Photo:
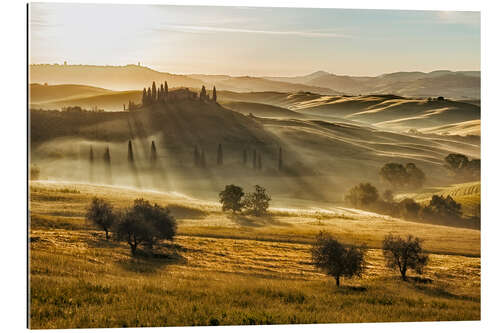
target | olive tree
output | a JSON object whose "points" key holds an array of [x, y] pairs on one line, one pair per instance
{"points": [[145, 224], [100, 212], [403, 254], [257, 203], [337, 260], [362, 195], [230, 198]]}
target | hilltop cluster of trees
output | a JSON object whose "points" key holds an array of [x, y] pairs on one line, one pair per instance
{"points": [[439, 209], [339, 260], [142, 224], [152, 95], [234, 199]]}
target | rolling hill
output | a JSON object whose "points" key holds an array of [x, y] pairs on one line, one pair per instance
{"points": [[40, 94], [263, 110], [472, 127], [108, 101], [385, 111], [454, 85], [318, 154], [132, 77], [110, 77], [390, 111]]}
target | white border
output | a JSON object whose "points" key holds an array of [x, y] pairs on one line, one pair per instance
{"points": [[13, 131]]}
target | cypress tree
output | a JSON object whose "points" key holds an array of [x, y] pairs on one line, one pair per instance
{"points": [[107, 164], [220, 160], [280, 160], [259, 162], [107, 156], [214, 95], [91, 155], [153, 92], [144, 97], [203, 93], [91, 162], [203, 162], [154, 156], [149, 96], [254, 162], [244, 157], [196, 156], [165, 86], [162, 92], [130, 152]]}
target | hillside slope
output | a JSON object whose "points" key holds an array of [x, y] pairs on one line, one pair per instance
{"points": [[472, 127], [391, 111], [39, 93], [263, 110]]}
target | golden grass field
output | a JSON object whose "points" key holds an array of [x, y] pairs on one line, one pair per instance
{"points": [[227, 270]]}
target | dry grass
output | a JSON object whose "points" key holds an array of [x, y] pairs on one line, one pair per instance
{"points": [[226, 270]]}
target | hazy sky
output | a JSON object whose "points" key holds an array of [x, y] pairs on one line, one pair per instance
{"points": [[255, 41]]}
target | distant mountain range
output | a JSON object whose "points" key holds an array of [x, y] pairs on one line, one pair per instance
{"points": [[453, 85]]}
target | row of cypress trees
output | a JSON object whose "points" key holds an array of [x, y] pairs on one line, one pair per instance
{"points": [[130, 154], [200, 160], [199, 157]]}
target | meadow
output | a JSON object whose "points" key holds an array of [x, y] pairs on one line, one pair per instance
{"points": [[229, 270]]}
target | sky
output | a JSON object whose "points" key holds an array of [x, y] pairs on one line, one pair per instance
{"points": [[254, 41]]}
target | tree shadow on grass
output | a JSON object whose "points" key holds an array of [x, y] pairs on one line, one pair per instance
{"points": [[100, 241], [256, 221], [152, 261], [348, 290], [438, 291]]}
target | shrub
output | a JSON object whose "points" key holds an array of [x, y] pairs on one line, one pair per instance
{"points": [[441, 207], [145, 224], [335, 259], [388, 196], [404, 254], [460, 166], [397, 175], [408, 208], [230, 198], [257, 203], [415, 177], [100, 212], [362, 195]]}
